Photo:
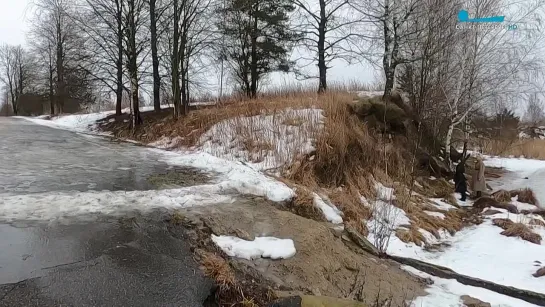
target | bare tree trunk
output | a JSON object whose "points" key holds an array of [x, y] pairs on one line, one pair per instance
{"points": [[133, 66], [51, 71], [175, 62], [60, 68], [155, 57], [322, 67], [253, 72], [119, 63]]}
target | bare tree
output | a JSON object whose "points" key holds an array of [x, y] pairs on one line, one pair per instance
{"points": [[155, 12], [326, 31], [15, 63], [103, 23], [191, 33], [487, 64], [393, 26], [134, 21], [534, 115]]}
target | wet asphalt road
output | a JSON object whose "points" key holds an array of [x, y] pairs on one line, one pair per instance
{"points": [[106, 262]]}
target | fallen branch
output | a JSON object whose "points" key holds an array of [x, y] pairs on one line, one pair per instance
{"points": [[443, 272]]}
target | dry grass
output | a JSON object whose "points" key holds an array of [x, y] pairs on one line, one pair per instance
{"points": [[411, 235], [192, 126], [452, 222], [485, 202], [229, 291], [525, 196], [295, 121], [355, 213], [303, 205], [439, 188], [502, 196], [512, 229], [502, 223], [218, 270], [177, 218], [531, 149], [346, 150], [536, 222]]}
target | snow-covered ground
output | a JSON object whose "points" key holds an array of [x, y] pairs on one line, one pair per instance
{"points": [[76, 122], [481, 251]]}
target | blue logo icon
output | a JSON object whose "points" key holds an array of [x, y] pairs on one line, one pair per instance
{"points": [[463, 16]]}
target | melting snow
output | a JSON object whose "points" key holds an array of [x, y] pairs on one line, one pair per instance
{"points": [[331, 213], [56, 205], [233, 176], [277, 138], [266, 247], [447, 293]]}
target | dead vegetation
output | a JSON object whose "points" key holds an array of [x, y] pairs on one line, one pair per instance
{"points": [[218, 270], [529, 148], [229, 289], [520, 230], [189, 129], [536, 222], [486, 202], [502, 196], [525, 196], [350, 203]]}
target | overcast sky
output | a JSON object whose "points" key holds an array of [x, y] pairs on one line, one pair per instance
{"points": [[12, 21]]}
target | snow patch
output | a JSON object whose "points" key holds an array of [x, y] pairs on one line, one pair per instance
{"points": [[233, 176], [331, 213], [266, 247], [440, 204], [384, 193], [58, 205], [264, 141]]}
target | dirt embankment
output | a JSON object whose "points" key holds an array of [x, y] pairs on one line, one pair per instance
{"points": [[327, 263]]}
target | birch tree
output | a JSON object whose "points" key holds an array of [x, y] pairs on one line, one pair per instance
{"points": [[489, 64], [392, 26]]}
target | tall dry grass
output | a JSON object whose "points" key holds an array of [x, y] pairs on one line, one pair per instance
{"points": [[531, 149]]}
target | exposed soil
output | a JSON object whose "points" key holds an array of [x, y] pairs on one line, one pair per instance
{"points": [[323, 265]]}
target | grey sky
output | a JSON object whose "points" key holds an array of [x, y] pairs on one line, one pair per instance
{"points": [[12, 21]]}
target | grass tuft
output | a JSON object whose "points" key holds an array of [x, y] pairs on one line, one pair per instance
{"points": [[502, 196], [525, 196], [219, 270], [512, 229]]}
